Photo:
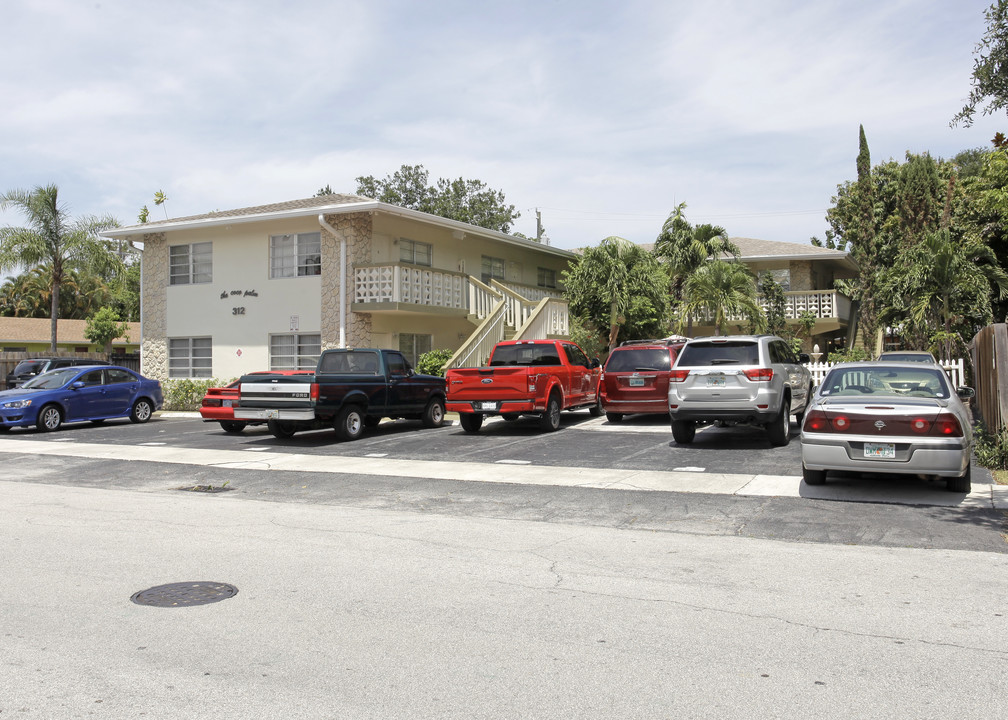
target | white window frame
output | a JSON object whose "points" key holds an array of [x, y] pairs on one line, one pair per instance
{"points": [[190, 357], [190, 264], [296, 255], [414, 252], [302, 351]]}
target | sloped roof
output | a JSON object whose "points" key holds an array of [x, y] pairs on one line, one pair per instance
{"points": [[37, 330], [312, 203], [752, 250]]}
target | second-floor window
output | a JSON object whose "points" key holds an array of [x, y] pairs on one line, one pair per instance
{"points": [[190, 264], [296, 255], [490, 268], [415, 253], [547, 278]]}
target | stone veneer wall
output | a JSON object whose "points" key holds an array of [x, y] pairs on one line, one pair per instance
{"points": [[357, 229], [801, 275], [154, 345]]}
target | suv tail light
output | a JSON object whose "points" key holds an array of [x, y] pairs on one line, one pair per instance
{"points": [[678, 375], [760, 374]]}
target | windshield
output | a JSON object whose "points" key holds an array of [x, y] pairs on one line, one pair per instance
{"points": [[886, 380], [29, 367], [635, 359], [525, 355], [52, 380]]}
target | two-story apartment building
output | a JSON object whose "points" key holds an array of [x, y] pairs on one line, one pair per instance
{"points": [[270, 287]]}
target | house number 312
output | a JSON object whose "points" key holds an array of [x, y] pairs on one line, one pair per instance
{"points": [[238, 311]]}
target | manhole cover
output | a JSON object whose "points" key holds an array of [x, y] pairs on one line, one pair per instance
{"points": [[185, 594]]}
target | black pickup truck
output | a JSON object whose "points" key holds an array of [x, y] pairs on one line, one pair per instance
{"points": [[350, 390]]}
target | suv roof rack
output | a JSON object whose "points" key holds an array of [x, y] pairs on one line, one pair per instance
{"points": [[672, 340]]}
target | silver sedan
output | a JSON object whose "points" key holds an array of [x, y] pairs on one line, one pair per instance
{"points": [[888, 417]]}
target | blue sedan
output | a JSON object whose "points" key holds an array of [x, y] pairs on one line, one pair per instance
{"points": [[74, 394]]}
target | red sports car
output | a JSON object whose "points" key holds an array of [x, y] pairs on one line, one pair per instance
{"points": [[219, 403]]}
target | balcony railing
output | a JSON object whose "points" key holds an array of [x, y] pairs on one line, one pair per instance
{"points": [[823, 304]]}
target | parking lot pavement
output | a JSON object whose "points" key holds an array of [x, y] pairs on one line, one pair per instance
{"points": [[513, 455]]}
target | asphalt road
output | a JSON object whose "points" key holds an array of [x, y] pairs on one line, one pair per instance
{"points": [[431, 574]]}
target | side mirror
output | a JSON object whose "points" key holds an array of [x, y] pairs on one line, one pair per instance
{"points": [[79, 384], [965, 393]]}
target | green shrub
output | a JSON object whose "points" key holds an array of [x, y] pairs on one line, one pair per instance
{"points": [[991, 449], [855, 354], [433, 362], [186, 393]]}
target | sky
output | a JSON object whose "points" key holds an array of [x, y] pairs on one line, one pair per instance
{"points": [[602, 115]]}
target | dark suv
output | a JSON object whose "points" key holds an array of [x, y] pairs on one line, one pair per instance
{"points": [[636, 377], [738, 379], [29, 368]]}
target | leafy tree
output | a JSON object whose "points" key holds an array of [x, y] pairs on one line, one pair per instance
{"points": [[990, 67], [722, 288], [619, 285], [775, 301], [685, 248], [105, 326], [469, 201], [53, 238], [983, 211], [322, 192], [160, 199]]}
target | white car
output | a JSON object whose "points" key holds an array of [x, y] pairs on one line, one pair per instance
{"points": [[888, 417]]}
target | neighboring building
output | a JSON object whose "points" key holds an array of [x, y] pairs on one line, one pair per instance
{"points": [[807, 274], [33, 335], [270, 287]]}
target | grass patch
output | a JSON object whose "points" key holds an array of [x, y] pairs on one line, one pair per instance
{"points": [[1000, 476]]}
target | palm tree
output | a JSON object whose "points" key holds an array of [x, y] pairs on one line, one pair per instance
{"points": [[617, 271], [941, 278], [685, 248], [54, 238], [722, 288]]}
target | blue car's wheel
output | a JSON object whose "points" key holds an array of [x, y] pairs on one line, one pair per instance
{"points": [[142, 411], [50, 417]]}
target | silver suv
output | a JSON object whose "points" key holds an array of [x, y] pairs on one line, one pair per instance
{"points": [[738, 379]]}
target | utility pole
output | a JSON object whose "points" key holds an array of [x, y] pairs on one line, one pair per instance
{"points": [[539, 227]]}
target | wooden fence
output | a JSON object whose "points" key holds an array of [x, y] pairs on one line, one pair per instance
{"points": [[990, 363], [9, 360]]}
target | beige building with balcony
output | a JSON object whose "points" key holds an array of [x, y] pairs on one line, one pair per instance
{"points": [[270, 287]]}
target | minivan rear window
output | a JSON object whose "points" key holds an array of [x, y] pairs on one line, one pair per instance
{"points": [[730, 352], [29, 366], [633, 359]]}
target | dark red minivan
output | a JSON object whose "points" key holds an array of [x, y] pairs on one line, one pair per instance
{"points": [[636, 377]]}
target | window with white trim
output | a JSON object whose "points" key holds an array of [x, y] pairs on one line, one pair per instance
{"points": [[296, 255], [412, 346], [296, 351], [190, 264], [415, 252], [190, 357], [546, 278], [491, 267]]}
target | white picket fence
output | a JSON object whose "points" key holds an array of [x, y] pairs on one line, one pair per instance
{"points": [[953, 368]]}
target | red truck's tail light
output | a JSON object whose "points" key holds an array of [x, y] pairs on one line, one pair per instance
{"points": [[313, 391], [211, 402], [678, 375], [760, 374]]}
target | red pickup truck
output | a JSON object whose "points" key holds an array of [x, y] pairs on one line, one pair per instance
{"points": [[525, 377]]}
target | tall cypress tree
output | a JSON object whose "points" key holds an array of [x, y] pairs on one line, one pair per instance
{"points": [[864, 246]]}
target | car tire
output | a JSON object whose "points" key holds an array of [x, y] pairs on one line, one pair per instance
{"points": [[230, 426], [596, 410], [433, 414], [683, 431], [813, 477], [50, 417], [550, 420], [779, 431], [471, 422], [614, 417], [142, 411], [349, 423], [962, 483], [281, 429], [5, 429]]}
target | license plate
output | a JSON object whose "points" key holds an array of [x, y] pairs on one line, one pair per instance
{"points": [[272, 414], [880, 450], [226, 403], [715, 381], [487, 406], [636, 382]]}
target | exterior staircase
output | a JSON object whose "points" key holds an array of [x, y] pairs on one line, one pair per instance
{"points": [[501, 313]]}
